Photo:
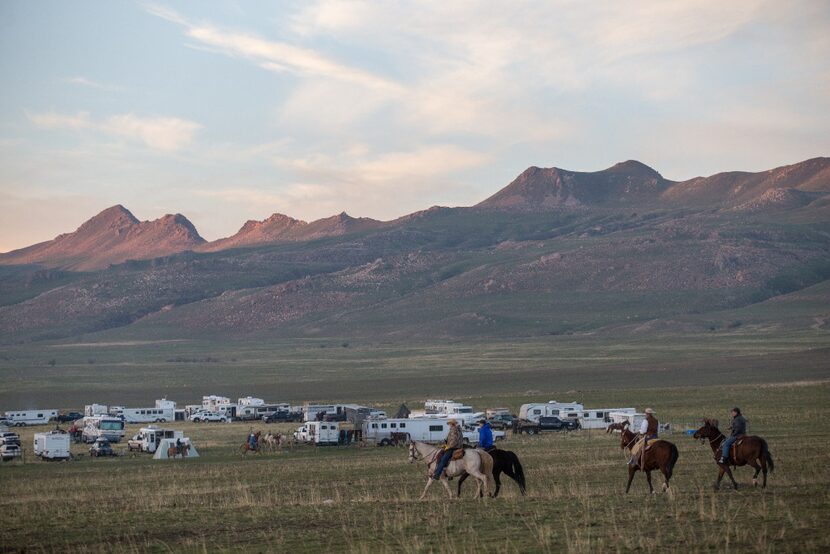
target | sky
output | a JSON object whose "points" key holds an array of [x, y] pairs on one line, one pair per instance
{"points": [[229, 111]]}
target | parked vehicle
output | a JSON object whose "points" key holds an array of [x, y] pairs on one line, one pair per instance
{"points": [[533, 411], [23, 418], [69, 417], [9, 438], [53, 445], [96, 410], [552, 423], [319, 432], [282, 416], [205, 417], [101, 447], [600, 418], [427, 429], [108, 427], [148, 439], [148, 415], [10, 452], [501, 421]]}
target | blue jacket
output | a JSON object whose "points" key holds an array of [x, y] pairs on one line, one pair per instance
{"points": [[485, 436]]}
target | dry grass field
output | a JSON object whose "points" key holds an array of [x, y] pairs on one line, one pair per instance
{"points": [[366, 499]]}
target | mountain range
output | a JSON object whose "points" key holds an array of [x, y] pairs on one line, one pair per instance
{"points": [[554, 251]]}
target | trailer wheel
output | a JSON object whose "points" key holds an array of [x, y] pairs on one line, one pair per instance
{"points": [[384, 442], [530, 431]]}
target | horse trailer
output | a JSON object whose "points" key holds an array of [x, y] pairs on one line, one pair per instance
{"points": [[23, 418], [319, 432], [600, 418], [427, 429], [148, 415], [53, 445], [532, 412]]}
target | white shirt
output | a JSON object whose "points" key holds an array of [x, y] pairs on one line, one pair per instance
{"points": [[644, 427]]}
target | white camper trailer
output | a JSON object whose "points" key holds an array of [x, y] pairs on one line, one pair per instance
{"points": [[451, 409], [563, 410], [634, 419], [22, 418], [250, 401], [148, 439], [108, 427], [319, 432], [53, 445], [425, 429], [600, 418], [96, 410], [148, 415]]}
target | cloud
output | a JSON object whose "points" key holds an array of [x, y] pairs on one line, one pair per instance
{"points": [[83, 81], [166, 134]]}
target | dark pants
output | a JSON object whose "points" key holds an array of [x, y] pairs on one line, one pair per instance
{"points": [[727, 447], [442, 463]]}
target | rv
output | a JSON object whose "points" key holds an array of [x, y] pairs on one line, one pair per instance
{"points": [[214, 403], [426, 429], [23, 418], [95, 410], [108, 427], [259, 411], [148, 439], [317, 412], [564, 410], [250, 401], [52, 446], [452, 410], [600, 418], [319, 432], [148, 415]]}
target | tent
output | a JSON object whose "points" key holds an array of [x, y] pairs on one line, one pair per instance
{"points": [[161, 451]]}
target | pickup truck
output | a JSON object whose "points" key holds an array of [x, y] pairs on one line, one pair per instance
{"points": [[544, 424]]}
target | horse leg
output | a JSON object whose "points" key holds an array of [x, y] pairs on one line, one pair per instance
{"points": [[648, 478], [754, 464], [496, 475], [665, 471], [429, 482], [764, 469], [446, 484], [731, 477], [460, 481], [631, 471]]}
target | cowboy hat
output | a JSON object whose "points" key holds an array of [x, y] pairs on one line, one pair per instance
{"points": [[649, 411], [452, 422]]}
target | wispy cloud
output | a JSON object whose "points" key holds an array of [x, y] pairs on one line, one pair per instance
{"points": [[84, 82], [166, 134]]}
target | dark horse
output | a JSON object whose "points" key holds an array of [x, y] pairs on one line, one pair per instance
{"points": [[748, 450], [504, 461], [661, 454]]}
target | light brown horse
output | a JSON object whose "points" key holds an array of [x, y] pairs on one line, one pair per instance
{"points": [[173, 452], [748, 450], [660, 454], [616, 427]]}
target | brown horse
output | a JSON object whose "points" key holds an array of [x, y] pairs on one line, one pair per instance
{"points": [[748, 450], [616, 427], [660, 454], [246, 446], [173, 452]]}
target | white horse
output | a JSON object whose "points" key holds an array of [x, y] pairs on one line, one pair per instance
{"points": [[477, 463]]}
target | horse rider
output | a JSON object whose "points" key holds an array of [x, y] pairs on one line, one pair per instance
{"points": [[485, 435], [737, 429], [648, 431], [455, 440], [251, 439], [179, 447]]}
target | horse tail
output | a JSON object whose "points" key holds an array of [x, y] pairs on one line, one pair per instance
{"points": [[767, 456], [675, 454], [519, 471]]}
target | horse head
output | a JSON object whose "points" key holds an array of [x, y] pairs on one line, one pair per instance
{"points": [[708, 431], [626, 437]]}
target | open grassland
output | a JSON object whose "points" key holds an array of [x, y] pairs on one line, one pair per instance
{"points": [[366, 499], [134, 373]]}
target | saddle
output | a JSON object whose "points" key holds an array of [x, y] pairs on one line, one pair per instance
{"points": [[458, 454]]}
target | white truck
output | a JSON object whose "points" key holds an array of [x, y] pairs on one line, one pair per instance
{"points": [[319, 432], [22, 418], [148, 439], [562, 410], [428, 429], [108, 427], [53, 445]]}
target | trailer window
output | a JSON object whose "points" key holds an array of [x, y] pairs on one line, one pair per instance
{"points": [[393, 425], [383, 426], [403, 425], [374, 426], [600, 414], [537, 412], [436, 427], [555, 412], [39, 415]]}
